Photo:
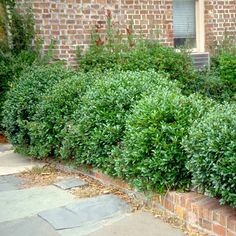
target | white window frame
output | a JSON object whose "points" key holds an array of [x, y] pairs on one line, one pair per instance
{"points": [[200, 27]]}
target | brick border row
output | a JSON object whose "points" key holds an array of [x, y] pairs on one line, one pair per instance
{"points": [[196, 210]]}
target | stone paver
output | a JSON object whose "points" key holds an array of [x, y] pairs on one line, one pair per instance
{"points": [[61, 218], [53, 211], [69, 183], [10, 182], [28, 202], [108, 204], [30, 226], [138, 224], [85, 211], [11, 163]]}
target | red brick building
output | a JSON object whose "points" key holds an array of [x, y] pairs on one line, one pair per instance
{"points": [[69, 22]]}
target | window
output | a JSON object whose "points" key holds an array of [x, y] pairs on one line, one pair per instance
{"points": [[188, 23]]}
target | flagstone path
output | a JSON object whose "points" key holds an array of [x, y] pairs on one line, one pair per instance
{"points": [[53, 211]]}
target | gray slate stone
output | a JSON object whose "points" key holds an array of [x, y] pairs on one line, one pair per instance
{"points": [[10, 182], [30, 226], [61, 218], [70, 183], [97, 208], [85, 211], [28, 202]]}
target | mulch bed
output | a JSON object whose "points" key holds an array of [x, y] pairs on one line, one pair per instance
{"points": [[3, 139]]}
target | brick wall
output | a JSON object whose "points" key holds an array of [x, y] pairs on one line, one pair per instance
{"points": [[69, 22], [202, 212], [220, 17]]}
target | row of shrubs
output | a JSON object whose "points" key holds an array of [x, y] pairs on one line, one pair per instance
{"points": [[217, 83], [134, 125]]}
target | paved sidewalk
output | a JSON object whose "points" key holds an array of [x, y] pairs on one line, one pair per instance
{"points": [[11, 163], [54, 211]]}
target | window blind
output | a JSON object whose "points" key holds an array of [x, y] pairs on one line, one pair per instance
{"points": [[184, 19]]}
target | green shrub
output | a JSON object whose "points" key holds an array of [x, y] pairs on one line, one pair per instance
{"points": [[211, 147], [144, 55], [16, 51], [227, 68], [11, 66], [223, 64], [55, 109], [151, 156], [109, 50], [99, 60], [98, 125], [209, 83], [22, 100]]}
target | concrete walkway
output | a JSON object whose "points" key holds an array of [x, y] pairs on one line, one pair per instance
{"points": [[11, 163], [54, 211]]}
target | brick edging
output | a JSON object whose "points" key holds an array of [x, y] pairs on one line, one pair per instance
{"points": [[196, 210]]}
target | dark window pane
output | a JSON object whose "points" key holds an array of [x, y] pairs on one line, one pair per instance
{"points": [[188, 42]]}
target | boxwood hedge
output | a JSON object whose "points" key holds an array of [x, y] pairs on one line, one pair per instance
{"points": [[53, 111], [22, 100], [151, 156], [211, 148], [98, 125]]}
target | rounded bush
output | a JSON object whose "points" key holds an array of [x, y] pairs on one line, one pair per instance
{"points": [[98, 125], [11, 66], [211, 147], [55, 109], [22, 100], [151, 156]]}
